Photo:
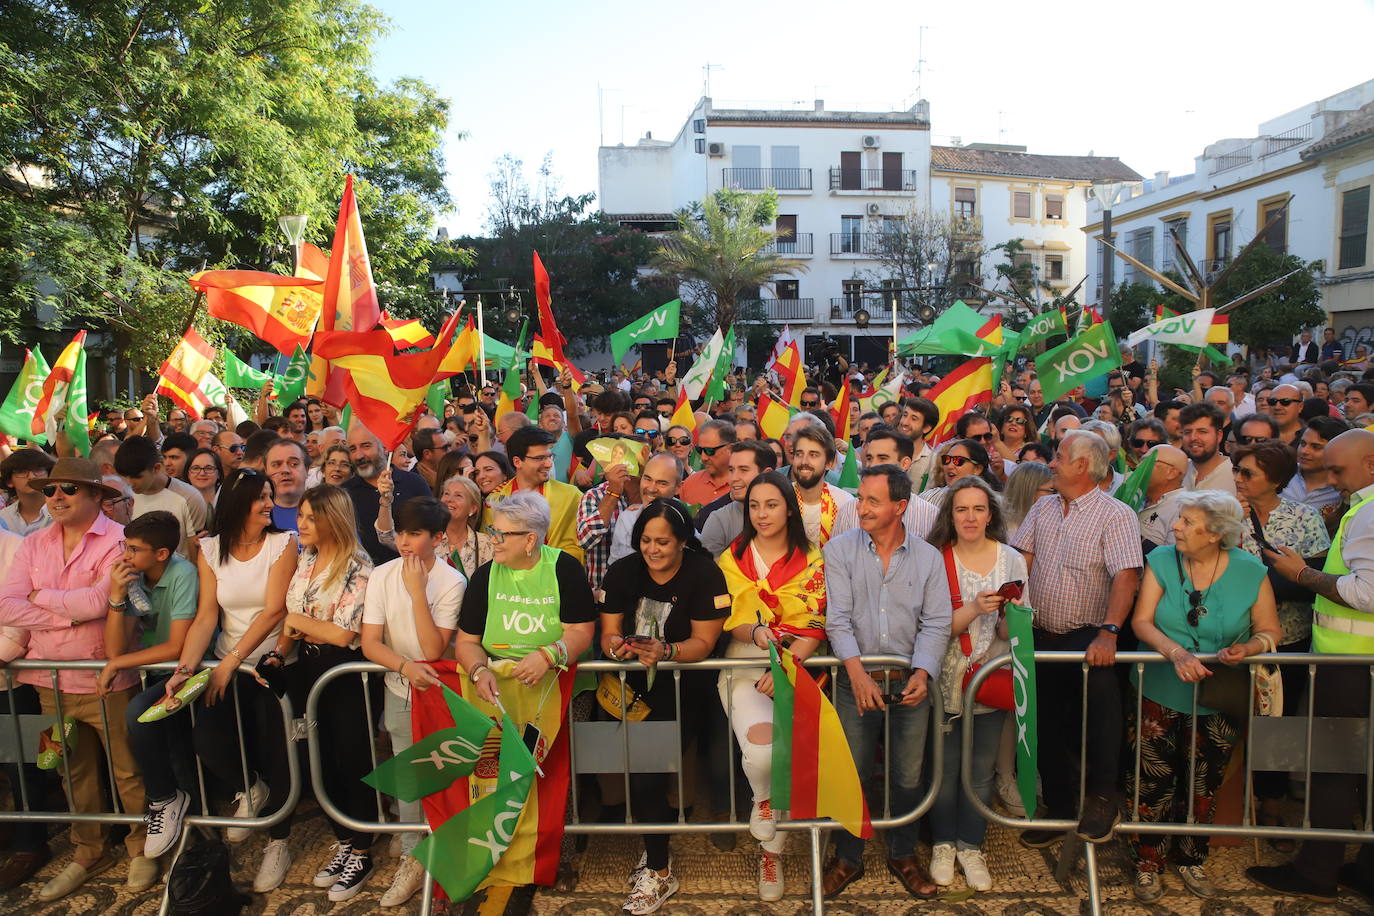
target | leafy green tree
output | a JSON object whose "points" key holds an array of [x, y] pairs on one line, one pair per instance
{"points": [[1274, 317], [146, 140], [721, 255]]}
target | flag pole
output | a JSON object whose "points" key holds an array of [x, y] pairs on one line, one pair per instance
{"points": [[481, 345]]}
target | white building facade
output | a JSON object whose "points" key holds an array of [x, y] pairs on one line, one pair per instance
{"points": [[1318, 160]]}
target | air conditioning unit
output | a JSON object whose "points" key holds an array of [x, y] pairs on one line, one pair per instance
{"points": [[875, 210], [870, 141], [715, 149]]}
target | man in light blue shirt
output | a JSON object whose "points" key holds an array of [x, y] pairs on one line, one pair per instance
{"points": [[886, 594]]}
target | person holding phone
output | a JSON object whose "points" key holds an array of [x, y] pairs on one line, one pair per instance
{"points": [[982, 572]]}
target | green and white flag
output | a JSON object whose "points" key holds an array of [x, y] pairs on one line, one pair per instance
{"points": [[16, 415], [1188, 330], [1090, 354], [660, 324], [699, 375], [1132, 489], [432, 764], [216, 393], [1046, 324], [298, 374], [238, 374], [1023, 696], [462, 852], [715, 389], [77, 430]]}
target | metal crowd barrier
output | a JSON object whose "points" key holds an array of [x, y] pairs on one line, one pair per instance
{"points": [[15, 732], [813, 828], [1322, 738]]}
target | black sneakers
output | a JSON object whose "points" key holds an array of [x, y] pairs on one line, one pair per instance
{"points": [[1100, 816], [351, 879]]}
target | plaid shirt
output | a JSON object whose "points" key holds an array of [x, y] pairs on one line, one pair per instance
{"points": [[1078, 551], [594, 534]]}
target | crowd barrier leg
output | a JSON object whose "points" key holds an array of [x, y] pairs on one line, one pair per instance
{"points": [[817, 886]]}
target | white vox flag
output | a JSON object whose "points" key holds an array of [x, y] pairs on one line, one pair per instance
{"points": [[1189, 330]]}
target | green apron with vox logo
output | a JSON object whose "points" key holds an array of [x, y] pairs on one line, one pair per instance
{"points": [[522, 607]]}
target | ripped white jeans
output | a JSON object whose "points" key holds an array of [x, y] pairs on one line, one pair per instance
{"points": [[748, 710]]}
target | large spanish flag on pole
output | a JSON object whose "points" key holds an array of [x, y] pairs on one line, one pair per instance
{"points": [[813, 770], [350, 296], [280, 310], [65, 386], [181, 373], [958, 393]]}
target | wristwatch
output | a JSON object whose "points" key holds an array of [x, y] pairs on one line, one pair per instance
{"points": [[1111, 628]]}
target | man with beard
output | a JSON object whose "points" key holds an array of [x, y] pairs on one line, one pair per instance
{"points": [[369, 460], [813, 451], [531, 452], [918, 417], [1208, 468]]}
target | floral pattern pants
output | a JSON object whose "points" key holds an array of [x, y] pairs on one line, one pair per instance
{"points": [[1164, 737]]}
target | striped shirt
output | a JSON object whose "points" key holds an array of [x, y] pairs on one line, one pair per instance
{"points": [[1077, 551], [594, 533]]}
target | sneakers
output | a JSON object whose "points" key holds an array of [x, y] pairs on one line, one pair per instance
{"points": [[1196, 880], [640, 866], [1148, 887], [1010, 794], [248, 805], [942, 864], [762, 825], [1099, 818], [352, 878], [650, 891], [410, 877], [326, 876], [276, 861], [975, 868], [164, 824], [770, 877]]}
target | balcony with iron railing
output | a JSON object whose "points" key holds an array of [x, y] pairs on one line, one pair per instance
{"points": [[843, 308], [777, 310], [860, 244], [796, 245], [846, 179], [766, 179]]}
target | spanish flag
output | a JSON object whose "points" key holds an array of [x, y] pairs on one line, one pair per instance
{"points": [[181, 373], [462, 354], [991, 331], [349, 295], [65, 386], [545, 355], [280, 310], [789, 368], [1220, 331], [773, 417], [813, 770], [958, 393], [682, 413], [839, 412], [407, 333]]}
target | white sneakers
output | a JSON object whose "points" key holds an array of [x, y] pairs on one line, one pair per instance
{"points": [[276, 861], [410, 877], [249, 804], [770, 877], [762, 825], [650, 891], [975, 867], [164, 824]]}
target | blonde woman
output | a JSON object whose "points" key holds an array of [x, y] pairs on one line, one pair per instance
{"points": [[324, 620], [461, 545]]}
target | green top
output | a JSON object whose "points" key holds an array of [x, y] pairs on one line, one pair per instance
{"points": [[1227, 621], [523, 607], [173, 598]]}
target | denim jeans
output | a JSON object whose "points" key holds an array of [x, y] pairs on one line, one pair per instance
{"points": [[396, 719], [952, 817], [906, 748], [163, 749]]}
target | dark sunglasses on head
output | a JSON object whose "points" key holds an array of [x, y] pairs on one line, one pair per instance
{"points": [[50, 489], [709, 450], [957, 460], [1144, 443], [678, 440], [1285, 402], [651, 433]]}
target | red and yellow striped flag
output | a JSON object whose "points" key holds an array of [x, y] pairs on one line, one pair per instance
{"points": [[991, 331], [181, 373], [407, 332], [1220, 331], [349, 294], [813, 770], [839, 412], [789, 367], [545, 355], [462, 354], [682, 413], [773, 417], [280, 310], [55, 389], [958, 393]]}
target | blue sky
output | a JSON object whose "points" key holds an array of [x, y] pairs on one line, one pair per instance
{"points": [[1151, 83]]}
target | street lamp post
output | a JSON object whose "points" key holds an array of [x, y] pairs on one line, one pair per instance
{"points": [[1106, 193], [293, 227]]}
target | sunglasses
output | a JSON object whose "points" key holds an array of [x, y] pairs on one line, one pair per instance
{"points": [[67, 488], [1145, 443], [810, 403], [1196, 609], [651, 433], [709, 450], [1285, 402], [957, 460], [1014, 421], [1247, 440], [111, 502], [985, 437], [678, 440], [1244, 473], [236, 449]]}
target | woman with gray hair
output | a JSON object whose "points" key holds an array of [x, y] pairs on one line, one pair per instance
{"points": [[1027, 482], [1204, 594]]}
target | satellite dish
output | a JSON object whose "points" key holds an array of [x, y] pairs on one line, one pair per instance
{"points": [[861, 318]]}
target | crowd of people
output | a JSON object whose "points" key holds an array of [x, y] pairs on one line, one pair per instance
{"points": [[283, 546]]}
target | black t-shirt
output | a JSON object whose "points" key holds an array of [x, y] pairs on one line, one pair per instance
{"points": [[575, 601], [697, 592], [366, 503]]}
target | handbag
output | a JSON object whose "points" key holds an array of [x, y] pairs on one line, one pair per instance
{"points": [[996, 689], [608, 697]]}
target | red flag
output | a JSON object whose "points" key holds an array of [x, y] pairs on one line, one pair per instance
{"points": [[279, 310], [547, 326], [350, 296], [958, 393], [407, 332]]}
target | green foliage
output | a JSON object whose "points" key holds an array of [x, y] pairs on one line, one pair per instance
{"points": [[720, 253], [151, 139], [1133, 304], [1277, 315]]}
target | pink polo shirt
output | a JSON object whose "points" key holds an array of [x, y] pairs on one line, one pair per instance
{"points": [[66, 618]]}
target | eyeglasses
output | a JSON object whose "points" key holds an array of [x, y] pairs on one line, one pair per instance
{"points": [[500, 536], [1285, 402], [651, 433], [1244, 473], [201, 469], [67, 488], [709, 450], [957, 460], [678, 440], [111, 502], [545, 457], [1145, 443]]}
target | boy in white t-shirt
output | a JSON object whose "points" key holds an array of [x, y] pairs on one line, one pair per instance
{"points": [[410, 615]]}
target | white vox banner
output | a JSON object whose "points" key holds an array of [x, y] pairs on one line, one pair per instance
{"points": [[1189, 329]]}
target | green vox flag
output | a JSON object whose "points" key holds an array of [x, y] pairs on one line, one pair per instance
{"points": [[77, 430], [347, 419], [1132, 489], [16, 414], [715, 389], [1090, 354], [1023, 695], [660, 324], [431, 764], [462, 852], [292, 385], [437, 396], [1046, 324], [238, 374], [849, 474]]}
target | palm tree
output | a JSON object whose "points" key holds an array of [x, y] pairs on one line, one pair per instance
{"points": [[722, 250]]}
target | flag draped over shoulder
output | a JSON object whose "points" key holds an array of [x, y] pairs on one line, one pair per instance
{"points": [[813, 771], [180, 374], [279, 310], [660, 324], [16, 415], [958, 393]]}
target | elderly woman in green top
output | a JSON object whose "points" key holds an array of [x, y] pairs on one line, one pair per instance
{"points": [[1204, 594]]}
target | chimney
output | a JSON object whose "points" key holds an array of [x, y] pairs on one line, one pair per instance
{"points": [[921, 110], [1161, 180], [820, 104], [648, 135]]}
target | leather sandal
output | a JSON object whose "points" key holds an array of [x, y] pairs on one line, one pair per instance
{"points": [[838, 875], [914, 878]]}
